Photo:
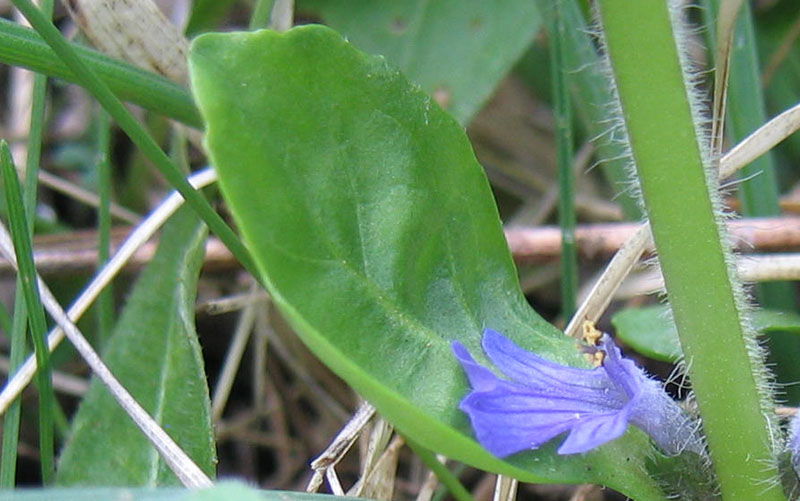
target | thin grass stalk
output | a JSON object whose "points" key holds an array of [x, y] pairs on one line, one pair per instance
{"points": [[36, 320], [445, 476], [259, 19], [105, 301], [20, 320], [566, 177], [6, 320], [135, 131], [17, 355]]}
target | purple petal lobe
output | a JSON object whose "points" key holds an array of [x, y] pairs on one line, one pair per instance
{"points": [[480, 377], [594, 431], [524, 366]]}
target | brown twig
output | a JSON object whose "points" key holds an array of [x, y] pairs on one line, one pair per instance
{"points": [[76, 252], [597, 241]]}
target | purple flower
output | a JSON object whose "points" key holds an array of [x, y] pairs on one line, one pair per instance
{"points": [[544, 399]]}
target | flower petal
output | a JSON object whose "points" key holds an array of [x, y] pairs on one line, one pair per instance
{"points": [[531, 369], [480, 377], [594, 431], [504, 423], [622, 371]]}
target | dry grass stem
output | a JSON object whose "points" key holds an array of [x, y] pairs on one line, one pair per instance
{"points": [[759, 142], [233, 358], [751, 268], [505, 489], [344, 440], [63, 382], [85, 196]]}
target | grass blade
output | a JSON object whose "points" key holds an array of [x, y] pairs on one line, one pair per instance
{"points": [[566, 176], [36, 319]]}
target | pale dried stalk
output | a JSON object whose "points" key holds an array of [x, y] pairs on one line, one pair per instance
{"points": [[378, 482], [324, 463], [428, 487], [543, 244], [726, 22], [137, 238], [234, 357], [760, 141], [178, 461], [751, 268], [603, 290], [282, 15], [136, 31], [372, 484], [231, 303], [505, 488], [63, 382], [87, 197]]}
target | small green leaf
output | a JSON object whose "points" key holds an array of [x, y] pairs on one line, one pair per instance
{"points": [[651, 331], [376, 233], [456, 49], [154, 353]]}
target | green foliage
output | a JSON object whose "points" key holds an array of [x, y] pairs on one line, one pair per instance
{"points": [[651, 331], [154, 353], [376, 233], [458, 50]]}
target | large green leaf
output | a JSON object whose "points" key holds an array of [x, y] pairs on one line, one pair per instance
{"points": [[154, 353], [651, 331], [458, 49], [376, 232]]}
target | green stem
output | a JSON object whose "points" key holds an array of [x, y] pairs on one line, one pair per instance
{"points": [[36, 320], [687, 233], [566, 181], [23, 47], [135, 131]]}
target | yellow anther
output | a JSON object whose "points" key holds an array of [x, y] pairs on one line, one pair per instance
{"points": [[590, 333]]}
